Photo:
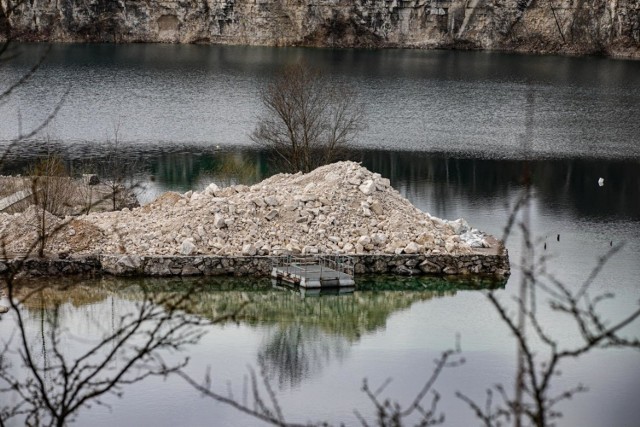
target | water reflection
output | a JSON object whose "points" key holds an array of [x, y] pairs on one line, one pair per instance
{"points": [[59, 355], [461, 102], [300, 341], [293, 353], [315, 331], [302, 334], [566, 187]]}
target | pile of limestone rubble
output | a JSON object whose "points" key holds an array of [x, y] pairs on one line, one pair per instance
{"points": [[338, 208]]}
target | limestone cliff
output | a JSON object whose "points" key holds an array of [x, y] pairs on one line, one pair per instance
{"points": [[610, 27]]}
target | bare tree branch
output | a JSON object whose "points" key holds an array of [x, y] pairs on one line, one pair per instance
{"points": [[308, 121]]}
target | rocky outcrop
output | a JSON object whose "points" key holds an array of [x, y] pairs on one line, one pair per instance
{"points": [[609, 27]]}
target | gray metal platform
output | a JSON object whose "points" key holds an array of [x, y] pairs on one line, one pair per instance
{"points": [[316, 272]]}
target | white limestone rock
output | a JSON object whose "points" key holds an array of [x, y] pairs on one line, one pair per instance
{"points": [[272, 214], [376, 207], [378, 239], [308, 197], [458, 226], [354, 180], [249, 250], [211, 189], [383, 183], [412, 248], [219, 221], [368, 187], [474, 238], [364, 240], [187, 247], [271, 201], [310, 250]]}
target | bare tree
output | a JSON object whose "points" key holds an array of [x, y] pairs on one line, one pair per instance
{"points": [[6, 54], [393, 413], [119, 168], [309, 120], [535, 398], [52, 193], [52, 390]]}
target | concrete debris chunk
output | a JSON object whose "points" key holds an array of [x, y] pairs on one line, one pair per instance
{"points": [[412, 248], [271, 201], [249, 250]]}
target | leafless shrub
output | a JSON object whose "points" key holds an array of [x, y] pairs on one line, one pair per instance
{"points": [[534, 399], [118, 170], [51, 185], [51, 190], [308, 121], [55, 388], [392, 413]]}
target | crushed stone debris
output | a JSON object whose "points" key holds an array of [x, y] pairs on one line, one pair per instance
{"points": [[339, 208]]}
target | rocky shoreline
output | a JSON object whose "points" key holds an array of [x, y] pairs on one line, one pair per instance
{"points": [[338, 209]]}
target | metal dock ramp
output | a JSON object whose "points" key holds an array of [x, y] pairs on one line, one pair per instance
{"points": [[314, 272]]}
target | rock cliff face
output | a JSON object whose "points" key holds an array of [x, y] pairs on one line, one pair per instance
{"points": [[610, 27]]}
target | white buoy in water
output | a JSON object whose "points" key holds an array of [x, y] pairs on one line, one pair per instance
{"points": [[601, 182]]}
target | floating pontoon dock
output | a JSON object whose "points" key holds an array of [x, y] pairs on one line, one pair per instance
{"points": [[314, 272]]}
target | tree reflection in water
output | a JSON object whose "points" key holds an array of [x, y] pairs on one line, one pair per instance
{"points": [[62, 359], [73, 344], [55, 362], [295, 352], [313, 332]]}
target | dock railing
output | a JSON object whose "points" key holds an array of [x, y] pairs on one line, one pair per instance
{"points": [[342, 263], [289, 263]]}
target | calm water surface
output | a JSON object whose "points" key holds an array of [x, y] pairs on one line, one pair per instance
{"points": [[452, 130], [455, 102]]}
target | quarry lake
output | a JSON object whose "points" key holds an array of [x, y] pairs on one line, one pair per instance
{"points": [[453, 131]]}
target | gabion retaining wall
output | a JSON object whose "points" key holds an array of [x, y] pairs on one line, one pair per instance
{"points": [[161, 266]]}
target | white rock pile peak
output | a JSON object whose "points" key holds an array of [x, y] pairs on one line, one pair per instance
{"points": [[338, 208]]}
